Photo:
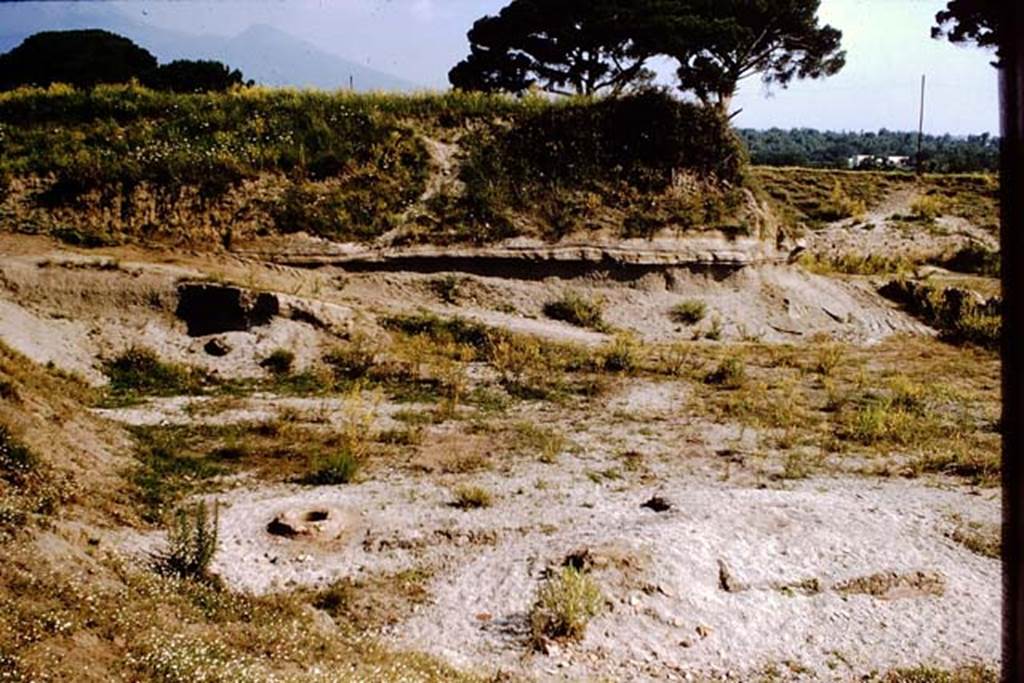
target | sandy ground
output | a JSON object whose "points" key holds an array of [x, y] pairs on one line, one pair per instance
{"points": [[668, 585], [718, 585]]}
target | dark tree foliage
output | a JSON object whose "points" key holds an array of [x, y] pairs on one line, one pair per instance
{"points": [[186, 75], [561, 46], [970, 21], [78, 58], [718, 43], [828, 149]]}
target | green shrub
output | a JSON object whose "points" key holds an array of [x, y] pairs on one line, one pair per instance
{"points": [[338, 467], [565, 604], [467, 497], [578, 310], [689, 312], [191, 542], [279, 362]]}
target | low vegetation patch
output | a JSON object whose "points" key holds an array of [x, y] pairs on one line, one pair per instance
{"points": [[579, 310], [565, 604], [372, 603], [140, 371], [547, 443], [730, 374], [689, 312], [467, 497], [854, 263], [330, 469], [975, 258], [960, 314], [30, 491]]}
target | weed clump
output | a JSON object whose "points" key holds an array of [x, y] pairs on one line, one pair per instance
{"points": [[578, 310], [191, 543], [466, 497], [621, 355], [730, 374], [689, 312], [565, 604]]}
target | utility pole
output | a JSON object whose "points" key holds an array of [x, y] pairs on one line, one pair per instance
{"points": [[920, 128], [351, 82]]}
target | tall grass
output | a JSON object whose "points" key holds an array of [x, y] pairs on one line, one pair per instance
{"points": [[352, 166]]}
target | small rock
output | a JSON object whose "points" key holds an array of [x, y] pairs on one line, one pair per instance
{"points": [[726, 581], [657, 504], [217, 347], [703, 631], [678, 622]]}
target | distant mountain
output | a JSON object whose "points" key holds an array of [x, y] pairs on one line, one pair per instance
{"points": [[263, 53]]}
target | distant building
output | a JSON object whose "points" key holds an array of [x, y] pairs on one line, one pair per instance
{"points": [[876, 161]]}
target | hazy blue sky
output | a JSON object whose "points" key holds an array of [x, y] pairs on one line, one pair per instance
{"points": [[887, 40]]}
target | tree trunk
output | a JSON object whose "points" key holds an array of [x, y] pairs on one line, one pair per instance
{"points": [[724, 103]]}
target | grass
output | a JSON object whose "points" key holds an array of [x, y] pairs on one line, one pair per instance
{"points": [[974, 673], [30, 491], [565, 604], [958, 313], [376, 602], [338, 467], [815, 197], [354, 167], [854, 263], [579, 310], [689, 312], [547, 443], [169, 467], [730, 374], [467, 497], [140, 371], [114, 621]]}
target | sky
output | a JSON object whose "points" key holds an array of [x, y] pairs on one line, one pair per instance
{"points": [[888, 44]]}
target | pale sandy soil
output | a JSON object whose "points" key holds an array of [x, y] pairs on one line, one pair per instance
{"points": [[669, 613]]}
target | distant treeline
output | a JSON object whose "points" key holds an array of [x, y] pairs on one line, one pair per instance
{"points": [[828, 149]]}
